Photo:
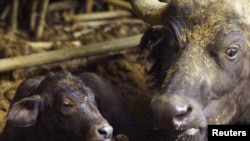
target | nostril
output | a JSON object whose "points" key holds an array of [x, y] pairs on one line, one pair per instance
{"points": [[102, 131], [189, 110], [183, 111], [106, 131], [182, 117]]}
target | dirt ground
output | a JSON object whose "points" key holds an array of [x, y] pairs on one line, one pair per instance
{"points": [[123, 69]]}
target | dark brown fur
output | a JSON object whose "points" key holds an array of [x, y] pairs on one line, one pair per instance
{"points": [[57, 107], [111, 106], [201, 67]]}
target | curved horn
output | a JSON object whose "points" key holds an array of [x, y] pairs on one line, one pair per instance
{"points": [[151, 11]]}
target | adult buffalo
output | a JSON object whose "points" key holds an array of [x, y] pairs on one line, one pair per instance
{"points": [[201, 54], [57, 107]]}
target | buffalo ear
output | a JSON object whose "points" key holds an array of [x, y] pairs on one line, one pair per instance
{"points": [[24, 112]]}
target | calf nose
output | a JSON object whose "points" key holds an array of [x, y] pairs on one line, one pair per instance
{"points": [[106, 131]]}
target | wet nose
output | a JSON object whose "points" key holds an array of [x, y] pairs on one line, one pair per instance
{"points": [[171, 112], [180, 111], [106, 131]]}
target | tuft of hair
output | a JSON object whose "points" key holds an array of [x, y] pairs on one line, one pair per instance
{"points": [[153, 48]]}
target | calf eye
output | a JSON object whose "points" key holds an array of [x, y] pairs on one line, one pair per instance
{"points": [[231, 53], [66, 105]]}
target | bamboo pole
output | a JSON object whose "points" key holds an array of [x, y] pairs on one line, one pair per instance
{"points": [[62, 5], [41, 19], [98, 16], [122, 4], [14, 15], [33, 15], [89, 6], [18, 62], [5, 12]]}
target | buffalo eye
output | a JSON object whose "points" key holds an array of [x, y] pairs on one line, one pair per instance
{"points": [[67, 107], [231, 53]]}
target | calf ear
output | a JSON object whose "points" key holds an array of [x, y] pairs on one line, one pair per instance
{"points": [[24, 112]]}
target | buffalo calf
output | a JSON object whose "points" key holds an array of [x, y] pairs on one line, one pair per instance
{"points": [[58, 107], [111, 106]]}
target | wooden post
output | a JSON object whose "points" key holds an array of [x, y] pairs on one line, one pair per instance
{"points": [[68, 53], [41, 20]]}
